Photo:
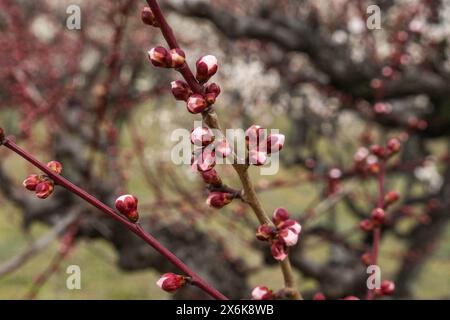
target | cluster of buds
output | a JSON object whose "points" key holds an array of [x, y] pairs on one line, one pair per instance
{"points": [[161, 57], [203, 160], [262, 293], [127, 205], [195, 102], [260, 145], [171, 282], [43, 185], [282, 235], [368, 161]]}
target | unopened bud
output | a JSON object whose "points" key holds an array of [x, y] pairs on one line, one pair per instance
{"points": [[148, 17], [202, 136], [180, 90], [261, 293], [55, 166], [44, 189], [171, 282], [31, 182], [279, 216], [219, 200], [211, 177], [206, 68], [177, 58], [196, 103], [160, 57], [127, 205]]}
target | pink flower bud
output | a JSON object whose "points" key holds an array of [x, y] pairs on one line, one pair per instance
{"points": [[319, 296], [292, 225], [275, 143], [393, 145], [278, 250], [254, 137], [211, 177], [202, 136], [180, 90], [210, 98], [127, 205], [148, 17], [196, 103], [55, 166], [206, 68], [213, 88], [44, 189], [261, 293], [387, 287], [279, 216], [391, 197], [289, 237], [265, 232], [203, 160], [223, 148], [177, 58], [378, 216], [378, 150], [219, 199], [160, 57], [171, 282], [257, 158], [31, 182], [366, 225]]}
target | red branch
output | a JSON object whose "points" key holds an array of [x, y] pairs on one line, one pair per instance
{"points": [[136, 228]]}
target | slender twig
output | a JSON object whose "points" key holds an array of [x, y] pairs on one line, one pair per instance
{"points": [[211, 119], [135, 228], [377, 229]]}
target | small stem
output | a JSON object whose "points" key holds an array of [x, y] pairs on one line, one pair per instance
{"points": [[136, 228], [377, 230]]}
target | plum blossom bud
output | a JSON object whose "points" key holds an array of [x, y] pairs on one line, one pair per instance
{"points": [[279, 216], [292, 225], [31, 182], [202, 136], [206, 68], [127, 205], [261, 293], [387, 287], [391, 197], [378, 216], [55, 166], [254, 136], [196, 103], [210, 98], [223, 148], [393, 145], [171, 282], [203, 160], [275, 143], [366, 225], [180, 90], [177, 58], [44, 189], [219, 199], [212, 92], [257, 158], [278, 250], [361, 155], [289, 237], [148, 17], [213, 88], [265, 232], [319, 296], [378, 150], [211, 177], [160, 57]]}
